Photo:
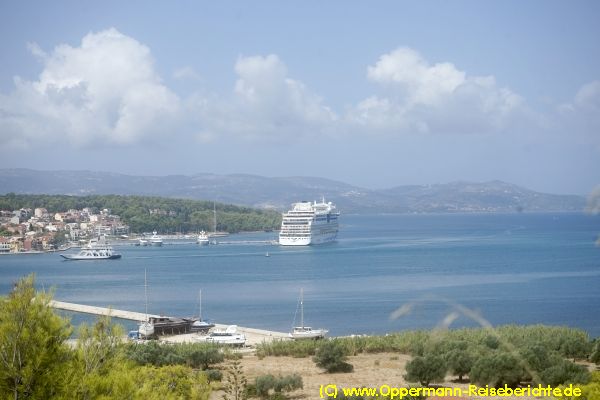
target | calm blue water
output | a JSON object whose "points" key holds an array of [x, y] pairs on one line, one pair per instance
{"points": [[517, 268]]}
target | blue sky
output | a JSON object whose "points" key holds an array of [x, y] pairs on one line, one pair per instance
{"points": [[373, 94]]}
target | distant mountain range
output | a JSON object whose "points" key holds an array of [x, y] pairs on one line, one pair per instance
{"points": [[279, 193]]}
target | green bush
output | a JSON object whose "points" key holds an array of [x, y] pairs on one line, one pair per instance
{"points": [[595, 353], [203, 356], [565, 372], [263, 384], [426, 369], [331, 356], [213, 375], [195, 355], [288, 383], [293, 348], [496, 370]]}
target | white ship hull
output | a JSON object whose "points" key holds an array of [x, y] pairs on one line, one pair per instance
{"points": [[294, 241], [306, 241]]}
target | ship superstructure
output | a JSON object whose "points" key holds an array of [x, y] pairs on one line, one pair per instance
{"points": [[309, 223]]}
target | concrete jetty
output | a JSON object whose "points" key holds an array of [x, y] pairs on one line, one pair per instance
{"points": [[81, 308], [253, 336]]}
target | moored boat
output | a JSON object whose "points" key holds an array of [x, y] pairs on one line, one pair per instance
{"points": [[306, 332], [155, 240], [227, 337], [203, 239], [201, 325], [146, 328]]}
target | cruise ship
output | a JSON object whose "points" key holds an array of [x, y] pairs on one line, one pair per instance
{"points": [[309, 223]]}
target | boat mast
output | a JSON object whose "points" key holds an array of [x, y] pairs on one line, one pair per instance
{"points": [[215, 216], [302, 307], [146, 292], [200, 302]]}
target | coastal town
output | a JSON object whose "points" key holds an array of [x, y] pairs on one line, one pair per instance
{"points": [[29, 230]]}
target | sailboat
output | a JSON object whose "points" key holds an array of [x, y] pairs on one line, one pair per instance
{"points": [[146, 328], [214, 233], [306, 332], [200, 325]]}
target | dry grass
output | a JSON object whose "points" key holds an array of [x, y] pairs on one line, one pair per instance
{"points": [[370, 370]]}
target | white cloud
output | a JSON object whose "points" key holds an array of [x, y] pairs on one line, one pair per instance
{"points": [[424, 84], [103, 91], [107, 91], [438, 98], [580, 119], [187, 73], [265, 104]]}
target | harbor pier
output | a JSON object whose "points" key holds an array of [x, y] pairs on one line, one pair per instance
{"points": [[253, 336], [81, 308]]}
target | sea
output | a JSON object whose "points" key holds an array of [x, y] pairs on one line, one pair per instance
{"points": [[385, 273]]}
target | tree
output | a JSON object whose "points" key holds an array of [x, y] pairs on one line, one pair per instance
{"points": [[171, 382], [575, 346], [331, 356], [565, 372], [33, 353], [459, 362], [497, 369], [235, 383], [205, 355], [98, 344], [595, 354], [426, 369]]}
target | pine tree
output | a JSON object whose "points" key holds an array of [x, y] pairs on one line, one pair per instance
{"points": [[33, 350], [235, 384]]}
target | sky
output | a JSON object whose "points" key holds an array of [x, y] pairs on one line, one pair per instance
{"points": [[375, 94]]}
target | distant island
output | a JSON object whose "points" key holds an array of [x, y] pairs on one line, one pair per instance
{"points": [[279, 193]]}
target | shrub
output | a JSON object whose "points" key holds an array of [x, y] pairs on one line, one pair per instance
{"points": [[595, 353], [288, 383], [203, 357], [426, 369], [213, 375], [263, 384], [497, 369], [565, 372], [331, 356]]}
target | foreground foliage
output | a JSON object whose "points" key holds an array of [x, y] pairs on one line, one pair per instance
{"points": [[37, 363], [32, 344]]}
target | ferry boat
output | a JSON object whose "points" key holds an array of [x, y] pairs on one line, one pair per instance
{"points": [[96, 249], [309, 223]]}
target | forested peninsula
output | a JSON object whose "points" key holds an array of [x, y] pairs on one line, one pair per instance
{"points": [[148, 213]]}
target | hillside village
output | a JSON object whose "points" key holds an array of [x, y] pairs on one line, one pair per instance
{"points": [[31, 230]]}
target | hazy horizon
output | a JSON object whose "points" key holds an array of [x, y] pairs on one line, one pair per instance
{"points": [[398, 94]]}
